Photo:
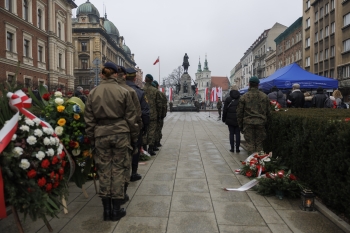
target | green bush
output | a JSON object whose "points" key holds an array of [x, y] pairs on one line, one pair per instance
{"points": [[315, 145]]}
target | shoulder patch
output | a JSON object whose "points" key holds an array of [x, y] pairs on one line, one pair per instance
{"points": [[145, 98]]}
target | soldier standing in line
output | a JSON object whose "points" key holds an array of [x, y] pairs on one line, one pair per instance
{"points": [[171, 106], [160, 111], [130, 81], [253, 112], [164, 110], [154, 104], [111, 132], [219, 106]]}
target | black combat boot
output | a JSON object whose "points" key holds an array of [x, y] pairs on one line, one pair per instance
{"points": [[117, 212], [134, 175], [158, 144], [155, 148], [150, 150], [106, 201], [237, 150], [126, 196]]}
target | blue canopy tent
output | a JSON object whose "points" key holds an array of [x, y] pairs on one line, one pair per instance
{"points": [[285, 77]]}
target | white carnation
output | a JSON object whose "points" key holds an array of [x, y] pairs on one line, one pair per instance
{"points": [[38, 133], [76, 152], [24, 164], [52, 141], [59, 101], [31, 140], [48, 130], [37, 121], [24, 128], [14, 137], [57, 141], [50, 152], [40, 155], [59, 130], [59, 151], [47, 141], [58, 94], [18, 151], [29, 122]]}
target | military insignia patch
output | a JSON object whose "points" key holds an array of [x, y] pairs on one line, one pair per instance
{"points": [[146, 98]]}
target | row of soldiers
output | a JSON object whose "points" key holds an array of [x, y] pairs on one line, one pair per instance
{"points": [[121, 118]]}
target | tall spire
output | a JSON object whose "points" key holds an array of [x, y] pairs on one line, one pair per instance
{"points": [[199, 66], [206, 68]]}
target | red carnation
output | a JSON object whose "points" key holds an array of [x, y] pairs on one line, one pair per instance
{"points": [[61, 171], [42, 182], [54, 160], [63, 164], [45, 163], [48, 187], [280, 173], [72, 144], [292, 177], [62, 155], [57, 177], [52, 175], [55, 185], [31, 173], [61, 177], [46, 96], [249, 173], [268, 175], [243, 162]]}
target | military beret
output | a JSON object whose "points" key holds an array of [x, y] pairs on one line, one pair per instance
{"points": [[130, 72], [122, 68], [111, 65], [150, 77], [254, 80], [155, 83]]}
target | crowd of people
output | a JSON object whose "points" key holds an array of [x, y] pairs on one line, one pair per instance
{"points": [[122, 120], [248, 114]]}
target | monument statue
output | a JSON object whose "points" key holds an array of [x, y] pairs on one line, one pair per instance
{"points": [[185, 87], [178, 88], [185, 63]]}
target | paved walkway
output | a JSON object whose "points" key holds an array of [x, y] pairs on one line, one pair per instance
{"points": [[181, 192]]}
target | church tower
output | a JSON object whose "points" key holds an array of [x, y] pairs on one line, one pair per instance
{"points": [[203, 77]]}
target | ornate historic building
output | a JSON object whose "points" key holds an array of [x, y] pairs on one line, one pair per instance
{"points": [[36, 34], [96, 38]]}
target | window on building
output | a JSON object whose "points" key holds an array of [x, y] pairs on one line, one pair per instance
{"points": [[27, 82], [316, 36], [321, 12], [299, 54], [307, 4], [40, 18], [321, 34], [59, 32], [296, 56], [25, 10], [346, 71], [292, 57], [8, 5], [26, 48], [40, 53], [307, 42], [331, 73], [332, 27], [300, 36], [326, 31], [307, 62], [332, 51], [307, 23], [346, 19], [326, 53], [84, 63], [332, 4], [316, 57], [326, 8], [321, 55], [10, 78], [325, 74], [60, 60], [83, 46], [316, 16], [346, 45], [9, 44]]}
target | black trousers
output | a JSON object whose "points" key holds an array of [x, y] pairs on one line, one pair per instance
{"points": [[234, 131]]}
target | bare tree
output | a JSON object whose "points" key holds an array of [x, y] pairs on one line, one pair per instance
{"points": [[174, 77]]}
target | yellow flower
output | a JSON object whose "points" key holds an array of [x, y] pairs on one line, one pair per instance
{"points": [[60, 108], [76, 116], [61, 122], [86, 153]]}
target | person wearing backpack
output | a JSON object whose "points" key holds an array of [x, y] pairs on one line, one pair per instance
{"points": [[338, 98], [318, 101], [229, 117]]}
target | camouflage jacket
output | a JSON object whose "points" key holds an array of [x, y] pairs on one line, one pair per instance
{"points": [[154, 101], [219, 104], [110, 102], [164, 104], [253, 108]]}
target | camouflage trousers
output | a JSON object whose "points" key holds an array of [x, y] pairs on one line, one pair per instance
{"points": [[254, 136], [158, 133], [113, 163], [149, 139]]}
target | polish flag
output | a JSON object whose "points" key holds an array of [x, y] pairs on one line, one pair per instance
{"points": [[156, 61], [219, 92], [213, 96], [161, 89], [170, 94]]}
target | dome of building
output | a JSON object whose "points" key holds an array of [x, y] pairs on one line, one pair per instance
{"points": [[111, 29], [88, 8], [126, 49]]}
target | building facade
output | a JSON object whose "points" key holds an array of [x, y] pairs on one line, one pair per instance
{"points": [[270, 62], [96, 39], [38, 43], [238, 74], [289, 45]]}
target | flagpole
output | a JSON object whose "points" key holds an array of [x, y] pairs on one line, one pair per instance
{"points": [[159, 71]]}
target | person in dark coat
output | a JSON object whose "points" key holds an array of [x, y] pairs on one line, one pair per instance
{"points": [[229, 117], [79, 92], [319, 99], [296, 98], [277, 95]]}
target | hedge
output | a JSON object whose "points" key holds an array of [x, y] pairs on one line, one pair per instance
{"points": [[315, 144]]}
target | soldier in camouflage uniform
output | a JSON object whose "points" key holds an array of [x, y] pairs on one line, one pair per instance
{"points": [[110, 118], [164, 111], [253, 112], [154, 103]]}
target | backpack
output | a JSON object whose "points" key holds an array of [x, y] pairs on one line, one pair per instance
{"points": [[328, 103]]}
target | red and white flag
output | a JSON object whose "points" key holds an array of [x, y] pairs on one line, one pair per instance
{"points": [[219, 92], [170, 94], [156, 61], [161, 89]]}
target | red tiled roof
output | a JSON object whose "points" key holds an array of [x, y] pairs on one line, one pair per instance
{"points": [[220, 81]]}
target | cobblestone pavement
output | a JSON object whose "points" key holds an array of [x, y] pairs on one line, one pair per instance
{"points": [[181, 192]]}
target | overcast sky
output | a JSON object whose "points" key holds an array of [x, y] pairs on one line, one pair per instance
{"points": [[222, 29]]}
